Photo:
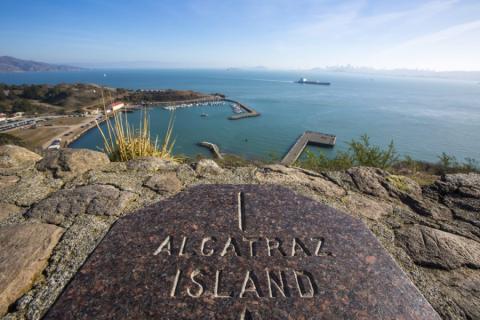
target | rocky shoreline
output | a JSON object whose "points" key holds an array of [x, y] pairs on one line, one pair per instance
{"points": [[55, 209]]}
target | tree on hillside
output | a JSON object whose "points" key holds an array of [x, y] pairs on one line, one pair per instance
{"points": [[56, 95], [22, 105], [34, 92]]}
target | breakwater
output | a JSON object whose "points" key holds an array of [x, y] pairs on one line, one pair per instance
{"points": [[212, 147], [248, 111]]}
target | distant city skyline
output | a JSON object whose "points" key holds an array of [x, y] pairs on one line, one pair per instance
{"points": [[438, 35]]}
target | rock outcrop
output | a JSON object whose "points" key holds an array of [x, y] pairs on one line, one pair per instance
{"points": [[152, 164], [16, 157], [96, 199], [433, 232], [24, 254], [439, 249], [66, 163]]}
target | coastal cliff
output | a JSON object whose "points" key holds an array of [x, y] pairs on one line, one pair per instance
{"points": [[55, 209]]}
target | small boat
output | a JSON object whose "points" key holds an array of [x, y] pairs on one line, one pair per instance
{"points": [[306, 81], [204, 115]]}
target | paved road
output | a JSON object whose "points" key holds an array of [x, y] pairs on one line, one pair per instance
{"points": [[76, 130]]}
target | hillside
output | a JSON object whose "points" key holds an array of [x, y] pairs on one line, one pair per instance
{"points": [[52, 99], [11, 64]]}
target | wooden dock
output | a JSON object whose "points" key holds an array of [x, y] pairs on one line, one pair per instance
{"points": [[249, 112], [308, 137]]}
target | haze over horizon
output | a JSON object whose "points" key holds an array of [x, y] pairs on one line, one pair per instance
{"points": [[439, 35]]}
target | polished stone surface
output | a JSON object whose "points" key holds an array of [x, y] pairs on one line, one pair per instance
{"points": [[240, 252]]}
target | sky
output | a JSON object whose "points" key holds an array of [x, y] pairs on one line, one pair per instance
{"points": [[280, 34]]}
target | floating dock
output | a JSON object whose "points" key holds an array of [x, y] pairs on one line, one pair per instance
{"points": [[213, 148], [308, 137], [249, 112]]}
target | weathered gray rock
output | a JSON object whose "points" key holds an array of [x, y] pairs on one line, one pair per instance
{"points": [[77, 243], [152, 164], [7, 181], [207, 167], [366, 207], [461, 194], [65, 163], [7, 210], [468, 184], [186, 173], [341, 178], [32, 187], [401, 186], [24, 254], [124, 180], [460, 288], [14, 156], [438, 249], [369, 180], [94, 199], [164, 183], [280, 174]]}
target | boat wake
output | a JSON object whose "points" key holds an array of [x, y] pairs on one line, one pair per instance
{"points": [[269, 80]]}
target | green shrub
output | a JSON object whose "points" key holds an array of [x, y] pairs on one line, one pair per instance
{"points": [[365, 154], [471, 165], [22, 105], [411, 164], [359, 153], [449, 164]]}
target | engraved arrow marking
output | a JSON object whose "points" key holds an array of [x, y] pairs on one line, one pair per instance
{"points": [[246, 315], [241, 211]]}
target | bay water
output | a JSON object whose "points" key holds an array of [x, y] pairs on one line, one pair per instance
{"points": [[423, 116]]}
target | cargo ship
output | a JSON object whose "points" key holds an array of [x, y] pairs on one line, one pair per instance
{"points": [[306, 81]]}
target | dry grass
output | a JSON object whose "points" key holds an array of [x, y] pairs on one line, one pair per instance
{"points": [[36, 137], [64, 121], [123, 142], [424, 179]]}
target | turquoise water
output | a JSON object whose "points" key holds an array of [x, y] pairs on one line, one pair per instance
{"points": [[424, 117]]}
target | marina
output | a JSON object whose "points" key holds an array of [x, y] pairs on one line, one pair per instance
{"points": [[215, 103], [308, 137], [240, 110]]}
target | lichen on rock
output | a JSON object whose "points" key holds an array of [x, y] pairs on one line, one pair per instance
{"points": [[94, 199]]}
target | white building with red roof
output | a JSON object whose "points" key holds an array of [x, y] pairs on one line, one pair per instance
{"points": [[115, 106]]}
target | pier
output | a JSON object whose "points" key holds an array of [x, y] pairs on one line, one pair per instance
{"points": [[213, 148], [249, 112], [308, 137]]}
